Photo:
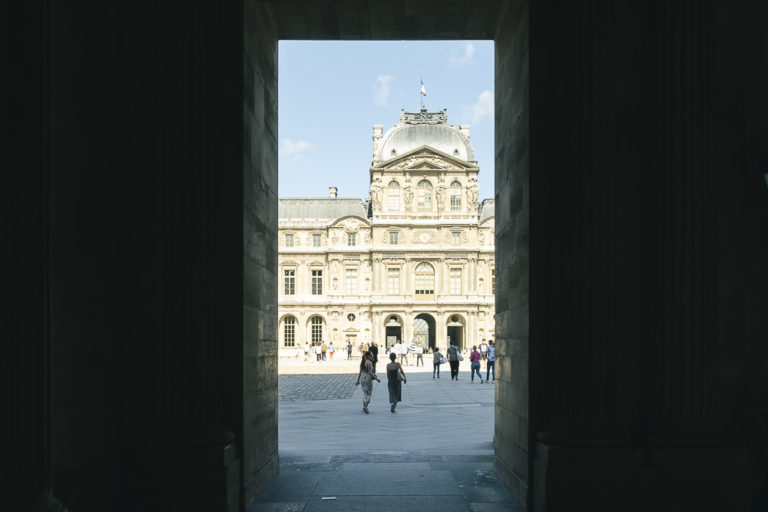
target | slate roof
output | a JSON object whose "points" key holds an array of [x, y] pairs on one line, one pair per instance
{"points": [[487, 209], [319, 208]]}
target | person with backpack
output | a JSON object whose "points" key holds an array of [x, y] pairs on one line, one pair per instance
{"points": [[453, 360]]}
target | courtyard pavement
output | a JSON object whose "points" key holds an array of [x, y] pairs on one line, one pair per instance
{"points": [[434, 453]]}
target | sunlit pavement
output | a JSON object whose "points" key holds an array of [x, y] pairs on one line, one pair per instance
{"points": [[434, 453]]}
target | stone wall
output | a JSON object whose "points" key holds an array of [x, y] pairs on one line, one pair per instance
{"points": [[512, 416], [260, 278]]}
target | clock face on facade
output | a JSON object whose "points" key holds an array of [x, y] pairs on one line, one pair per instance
{"points": [[424, 238]]}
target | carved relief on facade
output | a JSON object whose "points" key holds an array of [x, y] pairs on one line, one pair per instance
{"points": [[472, 192], [377, 194]]}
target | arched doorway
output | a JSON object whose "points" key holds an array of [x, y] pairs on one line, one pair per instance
{"points": [[393, 331], [424, 330], [455, 331]]}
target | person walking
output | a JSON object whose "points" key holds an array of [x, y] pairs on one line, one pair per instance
{"points": [[474, 358], [375, 351], [324, 349], [419, 356], [349, 350], [453, 360], [404, 353], [490, 364], [365, 379], [483, 349], [330, 351], [318, 353], [437, 360], [395, 380]]}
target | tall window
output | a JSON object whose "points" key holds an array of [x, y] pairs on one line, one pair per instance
{"points": [[316, 239], [493, 281], [455, 281], [393, 281], [393, 196], [317, 330], [317, 282], [289, 331], [289, 239], [351, 281], [393, 236], [455, 196], [424, 195], [289, 282], [425, 279], [456, 237], [351, 239]]}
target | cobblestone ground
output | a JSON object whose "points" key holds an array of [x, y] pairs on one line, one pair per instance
{"points": [[316, 387]]}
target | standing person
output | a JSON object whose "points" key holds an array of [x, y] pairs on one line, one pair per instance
{"points": [[330, 350], [436, 362], [365, 378], [349, 349], [403, 353], [318, 353], [419, 356], [324, 350], [453, 360], [483, 349], [474, 358], [375, 351], [394, 371], [307, 352], [491, 362]]}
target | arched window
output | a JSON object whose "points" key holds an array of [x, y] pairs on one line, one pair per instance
{"points": [[316, 333], [455, 196], [393, 196], [289, 331], [425, 279], [425, 195]]}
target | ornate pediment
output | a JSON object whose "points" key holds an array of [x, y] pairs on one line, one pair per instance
{"points": [[425, 158]]}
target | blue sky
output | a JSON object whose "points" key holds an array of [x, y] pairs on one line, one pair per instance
{"points": [[332, 93]]}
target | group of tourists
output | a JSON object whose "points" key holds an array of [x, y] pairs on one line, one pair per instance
{"points": [[324, 351], [396, 375], [453, 357], [404, 350]]}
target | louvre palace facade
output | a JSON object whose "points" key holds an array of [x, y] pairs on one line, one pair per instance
{"points": [[413, 261]]}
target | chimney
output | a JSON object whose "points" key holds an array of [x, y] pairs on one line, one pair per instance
{"points": [[333, 191]]}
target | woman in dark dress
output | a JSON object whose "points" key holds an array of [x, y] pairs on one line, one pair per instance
{"points": [[394, 371]]}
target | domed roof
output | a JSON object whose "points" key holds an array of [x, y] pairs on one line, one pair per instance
{"points": [[424, 128]]}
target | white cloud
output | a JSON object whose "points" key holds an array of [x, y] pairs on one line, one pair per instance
{"points": [[457, 61], [482, 109], [290, 147], [381, 90]]}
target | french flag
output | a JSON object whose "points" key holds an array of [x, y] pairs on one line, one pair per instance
{"points": [[423, 90]]}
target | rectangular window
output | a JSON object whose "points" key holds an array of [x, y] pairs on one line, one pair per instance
{"points": [[455, 199], [455, 281], [393, 235], [289, 331], [316, 240], [317, 331], [317, 282], [351, 281], [456, 237], [289, 240], [393, 281], [394, 198], [289, 282], [351, 239]]}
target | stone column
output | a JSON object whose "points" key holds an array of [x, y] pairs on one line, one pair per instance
{"points": [[25, 406]]}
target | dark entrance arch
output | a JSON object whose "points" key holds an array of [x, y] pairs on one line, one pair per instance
{"points": [[424, 330]]}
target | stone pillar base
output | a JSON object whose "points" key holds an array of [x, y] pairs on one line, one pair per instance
{"points": [[200, 478], [625, 479], [42, 503]]}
